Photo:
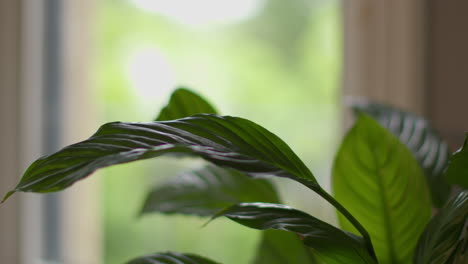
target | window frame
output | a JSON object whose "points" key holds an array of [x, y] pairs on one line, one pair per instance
{"points": [[29, 68]]}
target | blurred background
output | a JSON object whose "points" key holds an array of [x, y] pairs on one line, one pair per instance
{"points": [[68, 66], [272, 61]]}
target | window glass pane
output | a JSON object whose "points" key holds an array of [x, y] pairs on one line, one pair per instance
{"points": [[275, 62]]}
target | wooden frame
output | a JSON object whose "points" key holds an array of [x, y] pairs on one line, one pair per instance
{"points": [[20, 136], [22, 78], [9, 25]]}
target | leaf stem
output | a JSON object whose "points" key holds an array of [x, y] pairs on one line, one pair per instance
{"points": [[350, 218]]}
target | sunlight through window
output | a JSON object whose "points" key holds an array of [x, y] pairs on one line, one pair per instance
{"points": [[149, 73], [202, 12]]}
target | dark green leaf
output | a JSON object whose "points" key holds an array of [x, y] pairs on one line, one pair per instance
{"points": [[206, 191], [336, 245], [225, 141], [457, 171], [446, 232], [171, 258], [417, 134], [184, 103], [280, 247], [381, 184], [460, 255]]}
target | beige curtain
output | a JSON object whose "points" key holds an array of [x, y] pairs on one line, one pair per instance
{"points": [[384, 51]]}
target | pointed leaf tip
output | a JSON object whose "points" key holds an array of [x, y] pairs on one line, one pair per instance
{"points": [[457, 169], [226, 141], [183, 103], [328, 242], [10, 193]]}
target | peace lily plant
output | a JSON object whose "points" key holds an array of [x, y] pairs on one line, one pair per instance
{"points": [[391, 170]]}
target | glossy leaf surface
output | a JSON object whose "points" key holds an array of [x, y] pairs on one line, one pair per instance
{"points": [[223, 140], [184, 103], [205, 191], [445, 233], [280, 247], [457, 171], [378, 180], [325, 240], [422, 140], [171, 258]]}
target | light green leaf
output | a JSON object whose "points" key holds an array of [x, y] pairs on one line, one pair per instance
{"points": [[226, 141], [336, 245], [381, 184], [184, 103], [445, 233], [421, 139], [280, 247], [171, 258], [457, 171], [205, 191]]}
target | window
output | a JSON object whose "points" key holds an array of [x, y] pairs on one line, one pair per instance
{"points": [[275, 62], [267, 60]]}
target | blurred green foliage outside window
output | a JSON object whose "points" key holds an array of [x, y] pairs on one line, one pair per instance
{"points": [[275, 62]]}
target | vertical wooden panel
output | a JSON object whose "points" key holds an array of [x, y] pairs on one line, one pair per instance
{"points": [[9, 68]]}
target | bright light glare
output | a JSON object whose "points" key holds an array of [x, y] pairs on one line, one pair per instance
{"points": [[202, 12], [150, 73]]}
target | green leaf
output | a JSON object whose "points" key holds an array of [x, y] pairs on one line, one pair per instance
{"points": [[171, 258], [336, 245], [280, 247], [446, 232], [460, 255], [423, 141], [378, 180], [184, 103], [223, 140], [207, 190], [457, 171]]}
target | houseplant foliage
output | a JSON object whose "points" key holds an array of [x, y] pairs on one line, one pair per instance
{"points": [[381, 185], [422, 140]]}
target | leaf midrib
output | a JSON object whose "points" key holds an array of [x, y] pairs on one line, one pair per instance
{"points": [[383, 198]]}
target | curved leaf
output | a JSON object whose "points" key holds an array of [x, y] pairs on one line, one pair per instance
{"points": [[457, 171], [184, 103], [446, 232], [417, 134], [378, 180], [205, 191], [171, 258], [325, 240], [460, 255], [223, 140], [280, 247]]}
